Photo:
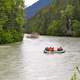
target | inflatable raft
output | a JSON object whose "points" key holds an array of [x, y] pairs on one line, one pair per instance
{"points": [[62, 51]]}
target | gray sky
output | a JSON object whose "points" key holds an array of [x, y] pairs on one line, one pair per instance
{"points": [[29, 2]]}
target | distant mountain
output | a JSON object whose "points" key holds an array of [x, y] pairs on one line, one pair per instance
{"points": [[32, 10]]}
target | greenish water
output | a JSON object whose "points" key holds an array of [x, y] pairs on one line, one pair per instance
{"points": [[26, 60]]}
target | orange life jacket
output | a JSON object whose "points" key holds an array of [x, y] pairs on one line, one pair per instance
{"points": [[50, 49]]}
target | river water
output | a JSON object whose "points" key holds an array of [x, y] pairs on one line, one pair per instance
{"points": [[26, 61]]}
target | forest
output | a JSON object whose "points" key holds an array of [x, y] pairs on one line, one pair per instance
{"points": [[11, 21], [59, 18]]}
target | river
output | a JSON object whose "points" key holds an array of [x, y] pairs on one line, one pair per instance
{"points": [[26, 61]]}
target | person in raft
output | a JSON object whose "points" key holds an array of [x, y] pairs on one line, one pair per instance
{"points": [[59, 49], [46, 48], [49, 49]]}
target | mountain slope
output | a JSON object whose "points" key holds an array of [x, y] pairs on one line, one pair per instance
{"points": [[32, 10]]}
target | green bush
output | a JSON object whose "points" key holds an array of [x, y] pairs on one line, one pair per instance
{"points": [[76, 28], [17, 36], [10, 36], [5, 37]]}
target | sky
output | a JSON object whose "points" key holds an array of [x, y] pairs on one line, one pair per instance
{"points": [[29, 2]]}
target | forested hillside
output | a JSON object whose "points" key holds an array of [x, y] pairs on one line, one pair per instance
{"points": [[11, 21], [60, 18], [32, 10]]}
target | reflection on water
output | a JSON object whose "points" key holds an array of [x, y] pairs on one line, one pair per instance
{"points": [[26, 60]]}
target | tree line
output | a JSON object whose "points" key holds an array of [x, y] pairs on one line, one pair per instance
{"points": [[60, 18]]}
